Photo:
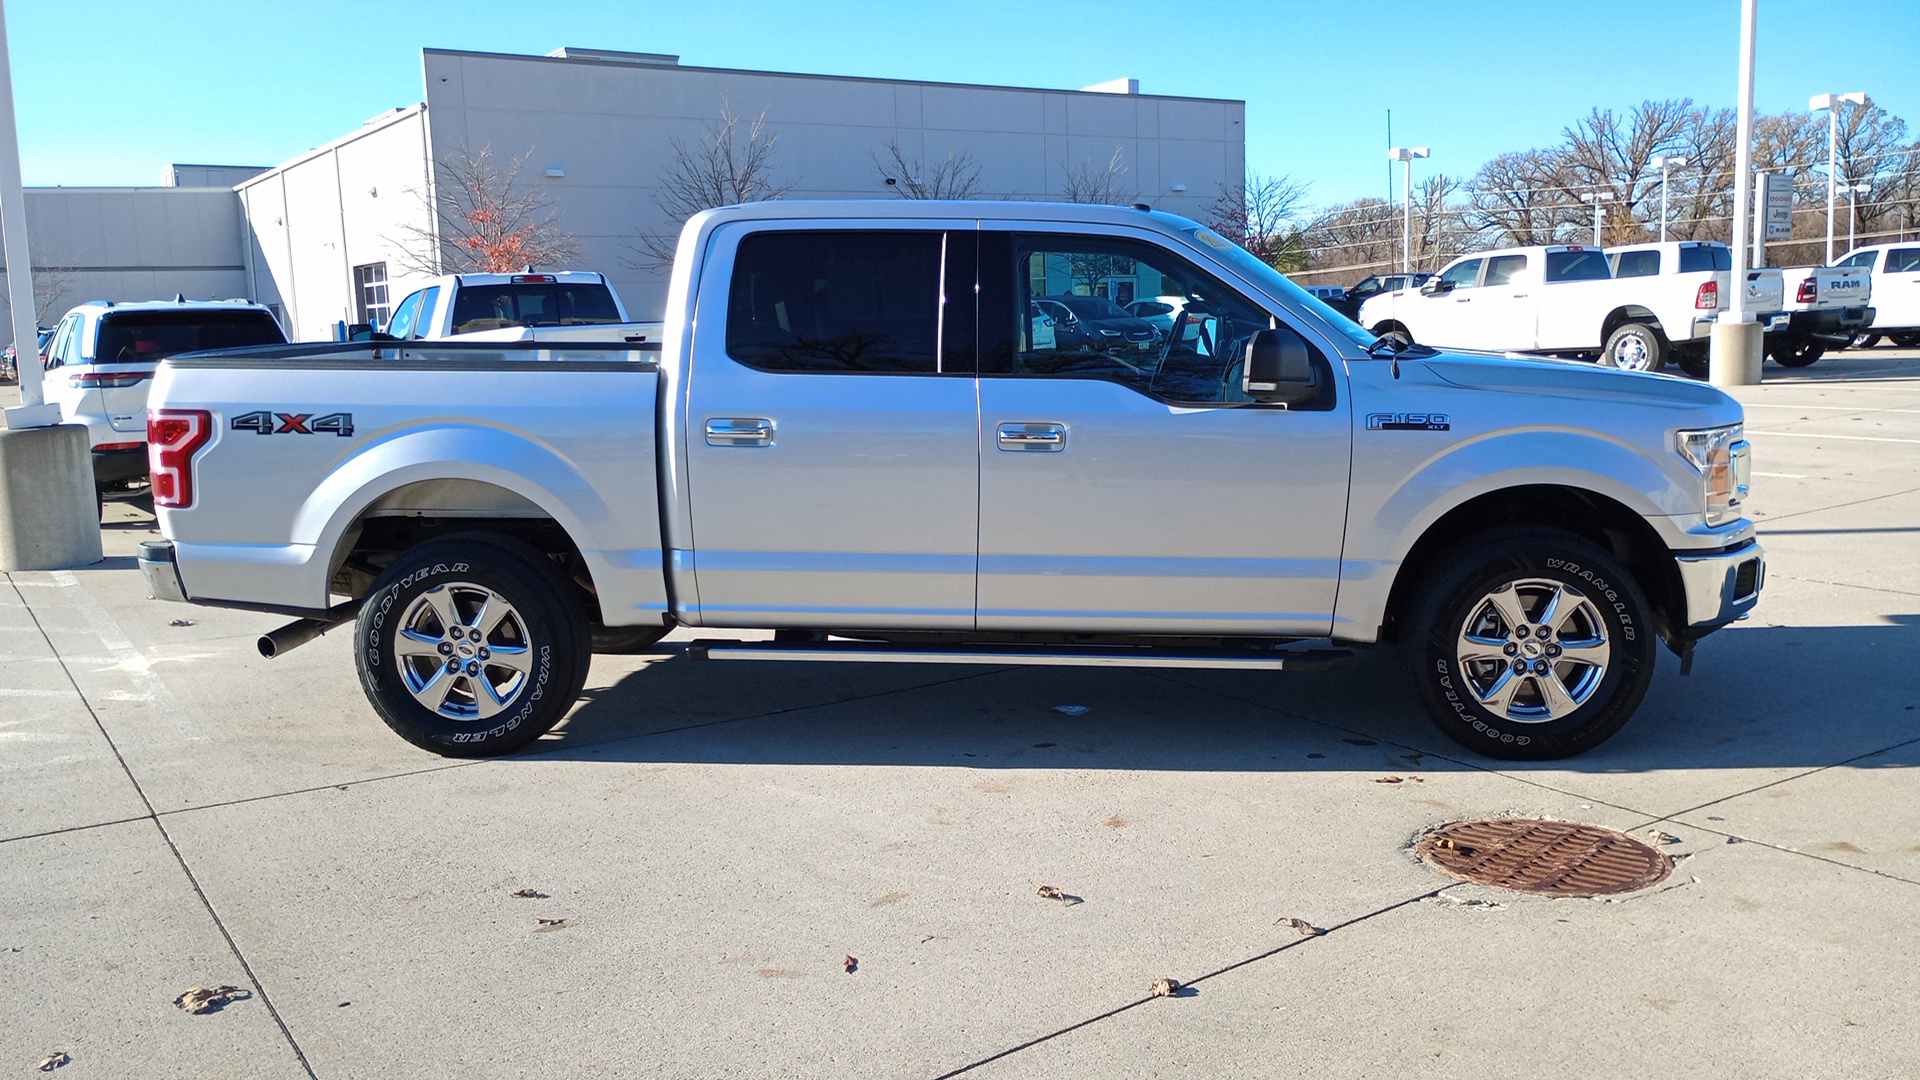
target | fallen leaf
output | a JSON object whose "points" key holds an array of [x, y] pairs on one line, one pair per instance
{"points": [[528, 894], [1164, 987], [181, 622], [1306, 928], [550, 922], [1391, 780], [848, 964], [206, 999], [1051, 892], [54, 1061], [1658, 837]]}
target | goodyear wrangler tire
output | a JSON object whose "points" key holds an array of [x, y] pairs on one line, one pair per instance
{"points": [[471, 646], [1531, 644]]}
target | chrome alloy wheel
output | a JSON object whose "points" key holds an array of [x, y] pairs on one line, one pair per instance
{"points": [[1533, 650], [463, 651], [1630, 354]]}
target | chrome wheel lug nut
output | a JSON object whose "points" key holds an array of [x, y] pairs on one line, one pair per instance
{"points": [[1540, 667], [446, 648], [453, 666], [483, 654], [1510, 648], [1520, 631], [1519, 667], [1553, 650]]}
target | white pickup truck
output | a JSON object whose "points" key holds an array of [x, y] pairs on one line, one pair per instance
{"points": [[1826, 307], [1564, 299], [852, 438], [565, 306], [1896, 292]]}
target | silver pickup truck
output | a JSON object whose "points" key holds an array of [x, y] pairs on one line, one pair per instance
{"points": [[852, 436]]}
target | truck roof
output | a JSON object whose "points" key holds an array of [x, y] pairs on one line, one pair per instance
{"points": [[532, 277], [942, 209]]}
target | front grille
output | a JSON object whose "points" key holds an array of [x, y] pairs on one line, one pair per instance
{"points": [[1746, 579]]}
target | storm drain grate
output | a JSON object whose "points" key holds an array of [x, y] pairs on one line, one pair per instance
{"points": [[1554, 858]]}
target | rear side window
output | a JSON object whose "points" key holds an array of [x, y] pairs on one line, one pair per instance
{"points": [[1903, 260], [836, 302], [1709, 257], [153, 335], [490, 307], [1502, 268], [1586, 265], [1642, 263]]}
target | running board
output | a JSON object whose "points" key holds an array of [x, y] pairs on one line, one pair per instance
{"points": [[880, 652]]}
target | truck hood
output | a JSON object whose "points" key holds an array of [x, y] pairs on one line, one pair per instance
{"points": [[1580, 380]]}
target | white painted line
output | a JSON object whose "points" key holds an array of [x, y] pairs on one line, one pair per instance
{"points": [[1848, 438], [1831, 408], [1781, 475], [149, 687]]}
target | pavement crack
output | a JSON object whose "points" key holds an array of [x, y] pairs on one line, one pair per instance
{"points": [[1760, 525], [179, 858]]}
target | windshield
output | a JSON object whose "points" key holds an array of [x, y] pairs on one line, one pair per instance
{"points": [[155, 335], [1253, 269]]}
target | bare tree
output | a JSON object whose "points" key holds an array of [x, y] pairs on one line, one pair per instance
{"points": [[1103, 184], [51, 288], [731, 162], [1521, 199], [1259, 214], [485, 220], [958, 177]]}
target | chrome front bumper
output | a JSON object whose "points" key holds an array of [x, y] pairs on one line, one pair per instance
{"points": [[1723, 586], [161, 573]]}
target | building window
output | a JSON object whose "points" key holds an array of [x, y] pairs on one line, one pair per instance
{"points": [[370, 292]]}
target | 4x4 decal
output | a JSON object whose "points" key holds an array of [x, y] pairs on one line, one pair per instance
{"points": [[279, 423]]}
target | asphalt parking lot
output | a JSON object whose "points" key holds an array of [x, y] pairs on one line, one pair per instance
{"points": [[712, 843]]}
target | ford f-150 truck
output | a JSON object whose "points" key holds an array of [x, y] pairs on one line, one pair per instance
{"points": [[851, 437], [570, 305]]}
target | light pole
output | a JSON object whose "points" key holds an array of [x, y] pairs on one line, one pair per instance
{"points": [[1596, 198], [1855, 189], [1406, 154], [1663, 162], [1832, 103]]}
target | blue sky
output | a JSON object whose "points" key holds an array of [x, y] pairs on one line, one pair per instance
{"points": [[110, 91]]}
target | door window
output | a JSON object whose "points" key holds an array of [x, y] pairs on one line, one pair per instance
{"points": [[1183, 341], [837, 302], [1864, 258], [1637, 264], [1903, 260], [62, 342], [406, 315], [1584, 264], [1502, 268], [1463, 275]]}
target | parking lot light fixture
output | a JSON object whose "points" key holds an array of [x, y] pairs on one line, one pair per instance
{"points": [[1663, 162], [1832, 103], [1405, 155], [1596, 198]]}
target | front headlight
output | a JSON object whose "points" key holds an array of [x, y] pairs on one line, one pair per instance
{"points": [[1725, 461]]}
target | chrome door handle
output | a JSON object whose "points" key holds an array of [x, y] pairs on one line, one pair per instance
{"points": [[739, 431], [1046, 438]]}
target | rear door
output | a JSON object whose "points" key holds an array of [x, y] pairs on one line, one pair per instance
{"points": [[1137, 490], [832, 431], [1896, 290]]}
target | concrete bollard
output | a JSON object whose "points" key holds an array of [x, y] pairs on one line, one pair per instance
{"points": [[1734, 353], [49, 517]]}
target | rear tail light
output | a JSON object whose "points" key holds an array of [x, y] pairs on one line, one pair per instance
{"points": [[1809, 292], [1708, 297], [105, 380], [173, 437]]}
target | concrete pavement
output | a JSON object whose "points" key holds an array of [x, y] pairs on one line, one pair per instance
{"points": [[716, 839]]}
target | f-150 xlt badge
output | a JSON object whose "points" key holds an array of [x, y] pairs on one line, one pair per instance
{"points": [[1409, 421], [273, 423]]}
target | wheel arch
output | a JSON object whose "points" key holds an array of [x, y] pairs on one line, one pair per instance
{"points": [[1630, 313], [1603, 521]]}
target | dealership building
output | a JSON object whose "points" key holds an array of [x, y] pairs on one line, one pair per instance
{"points": [[337, 234]]}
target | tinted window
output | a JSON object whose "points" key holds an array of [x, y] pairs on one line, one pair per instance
{"points": [[1502, 268], [152, 335], [405, 316], [489, 307], [1463, 275], [1865, 258], [1190, 355], [1705, 257], [836, 301], [1586, 265], [1903, 260], [1643, 263]]}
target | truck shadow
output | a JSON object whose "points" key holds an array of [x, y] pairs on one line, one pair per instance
{"points": [[1759, 697]]}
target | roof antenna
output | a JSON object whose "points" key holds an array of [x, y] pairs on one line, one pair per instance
{"points": [[179, 298]]}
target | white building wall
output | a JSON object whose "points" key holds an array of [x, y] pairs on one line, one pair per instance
{"points": [[349, 203], [609, 126], [132, 243]]}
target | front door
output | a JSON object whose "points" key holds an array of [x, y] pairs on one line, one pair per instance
{"points": [[1127, 485], [832, 449]]}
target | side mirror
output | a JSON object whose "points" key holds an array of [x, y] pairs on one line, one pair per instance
{"points": [[1433, 286], [1279, 368]]}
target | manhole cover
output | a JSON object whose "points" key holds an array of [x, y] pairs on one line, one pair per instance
{"points": [[1556, 858]]}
